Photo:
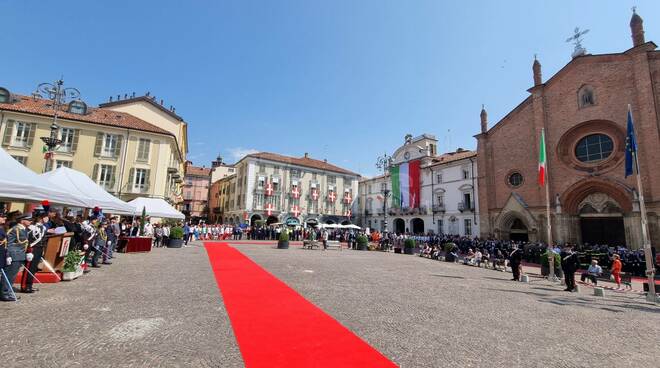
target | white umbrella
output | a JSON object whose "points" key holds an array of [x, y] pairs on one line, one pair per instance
{"points": [[155, 207], [84, 187], [17, 182], [351, 226]]}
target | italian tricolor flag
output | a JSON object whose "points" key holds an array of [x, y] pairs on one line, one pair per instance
{"points": [[542, 160], [405, 184]]}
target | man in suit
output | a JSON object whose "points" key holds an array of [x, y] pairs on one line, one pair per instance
{"points": [[570, 264], [17, 243]]}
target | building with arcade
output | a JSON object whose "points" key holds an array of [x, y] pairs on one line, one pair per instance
{"points": [[266, 188]]}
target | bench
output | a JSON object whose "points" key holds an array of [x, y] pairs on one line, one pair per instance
{"points": [[334, 244], [310, 244], [626, 278]]}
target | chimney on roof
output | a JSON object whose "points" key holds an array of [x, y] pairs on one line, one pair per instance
{"points": [[161, 102], [306, 155]]}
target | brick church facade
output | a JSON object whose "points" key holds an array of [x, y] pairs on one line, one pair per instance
{"points": [[583, 110]]}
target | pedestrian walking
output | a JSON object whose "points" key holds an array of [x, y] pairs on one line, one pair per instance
{"points": [[570, 264], [616, 270]]}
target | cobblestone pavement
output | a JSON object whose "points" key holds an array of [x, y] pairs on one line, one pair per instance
{"points": [[164, 309], [158, 309], [425, 313]]}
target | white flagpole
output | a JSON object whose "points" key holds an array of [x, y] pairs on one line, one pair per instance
{"points": [[550, 251], [648, 255]]}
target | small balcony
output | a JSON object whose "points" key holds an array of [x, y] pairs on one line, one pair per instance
{"points": [[465, 207], [439, 208]]}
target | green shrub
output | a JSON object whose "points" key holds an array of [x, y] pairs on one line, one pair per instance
{"points": [[176, 233], [409, 243], [362, 240], [447, 247], [284, 236], [71, 261], [544, 260]]}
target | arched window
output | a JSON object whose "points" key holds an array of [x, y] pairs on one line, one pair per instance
{"points": [[4, 95], [77, 107], [586, 96], [594, 148]]}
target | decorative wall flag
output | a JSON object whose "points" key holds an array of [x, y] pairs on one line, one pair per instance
{"points": [[542, 159], [295, 192], [631, 145], [348, 198], [269, 189], [332, 196], [315, 194], [269, 209], [295, 210], [406, 184]]}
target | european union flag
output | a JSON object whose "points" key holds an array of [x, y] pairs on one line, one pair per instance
{"points": [[631, 145]]}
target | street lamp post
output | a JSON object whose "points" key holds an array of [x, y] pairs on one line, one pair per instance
{"points": [[58, 96], [384, 162]]}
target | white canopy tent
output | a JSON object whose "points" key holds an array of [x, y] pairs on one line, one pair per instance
{"points": [[17, 182], [155, 207], [81, 185]]}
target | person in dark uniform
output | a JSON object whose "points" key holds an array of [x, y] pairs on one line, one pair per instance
{"points": [[569, 264], [38, 241], [515, 260], [3, 245], [17, 243]]}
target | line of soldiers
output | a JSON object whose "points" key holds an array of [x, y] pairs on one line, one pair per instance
{"points": [[23, 245]]}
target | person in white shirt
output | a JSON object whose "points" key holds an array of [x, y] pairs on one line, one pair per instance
{"points": [[477, 258], [592, 273]]}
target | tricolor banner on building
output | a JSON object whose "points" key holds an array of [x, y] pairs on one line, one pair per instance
{"points": [[405, 184]]}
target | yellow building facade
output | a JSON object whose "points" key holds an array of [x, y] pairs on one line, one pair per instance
{"points": [[130, 154]]}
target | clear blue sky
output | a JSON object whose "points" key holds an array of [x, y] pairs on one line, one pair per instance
{"points": [[340, 79]]}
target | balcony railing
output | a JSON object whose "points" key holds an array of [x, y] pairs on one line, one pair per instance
{"points": [[439, 208], [463, 207]]}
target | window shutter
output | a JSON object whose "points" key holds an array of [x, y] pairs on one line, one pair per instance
{"points": [[112, 178], [9, 130], [131, 174], [146, 180], [118, 146], [95, 173], [99, 144], [33, 128], [74, 143]]}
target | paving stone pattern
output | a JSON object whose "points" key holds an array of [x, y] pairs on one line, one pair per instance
{"points": [[158, 309], [163, 309], [425, 313]]}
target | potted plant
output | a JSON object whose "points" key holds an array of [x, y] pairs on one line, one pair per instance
{"points": [[283, 241], [71, 269], [362, 242], [408, 246], [176, 237], [545, 266]]}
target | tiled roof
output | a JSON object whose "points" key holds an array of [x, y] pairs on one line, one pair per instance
{"points": [[452, 156], [198, 171], [94, 115], [149, 99], [302, 161]]}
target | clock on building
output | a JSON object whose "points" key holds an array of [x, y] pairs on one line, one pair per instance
{"points": [[406, 155]]}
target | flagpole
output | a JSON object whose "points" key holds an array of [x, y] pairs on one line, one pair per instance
{"points": [[550, 251], [648, 254]]}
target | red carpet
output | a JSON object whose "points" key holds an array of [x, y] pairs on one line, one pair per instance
{"points": [[275, 326]]}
